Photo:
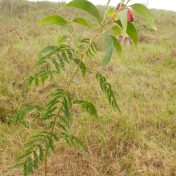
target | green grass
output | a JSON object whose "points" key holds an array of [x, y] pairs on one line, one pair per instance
{"points": [[140, 141]]}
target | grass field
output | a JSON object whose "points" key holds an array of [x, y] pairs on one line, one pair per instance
{"points": [[140, 141]]}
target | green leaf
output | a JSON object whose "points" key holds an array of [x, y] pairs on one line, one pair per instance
{"points": [[56, 64], [111, 12], [50, 142], [36, 160], [30, 165], [21, 113], [83, 22], [86, 6], [109, 49], [24, 155], [18, 165], [26, 172], [54, 20], [116, 30], [61, 39], [31, 143], [116, 44], [55, 136], [132, 32], [107, 90], [123, 19], [76, 141], [63, 127], [89, 107], [41, 153], [81, 65], [145, 13], [48, 49]]}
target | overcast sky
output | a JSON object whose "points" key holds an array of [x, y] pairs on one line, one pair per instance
{"points": [[159, 4]]}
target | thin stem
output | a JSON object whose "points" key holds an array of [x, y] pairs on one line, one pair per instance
{"points": [[46, 162], [67, 88], [71, 80], [106, 11]]}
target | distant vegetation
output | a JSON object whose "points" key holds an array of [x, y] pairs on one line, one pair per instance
{"points": [[140, 141]]}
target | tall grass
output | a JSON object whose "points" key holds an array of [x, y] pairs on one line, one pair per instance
{"points": [[140, 141]]}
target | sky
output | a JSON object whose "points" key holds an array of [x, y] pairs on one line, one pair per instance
{"points": [[158, 4]]}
